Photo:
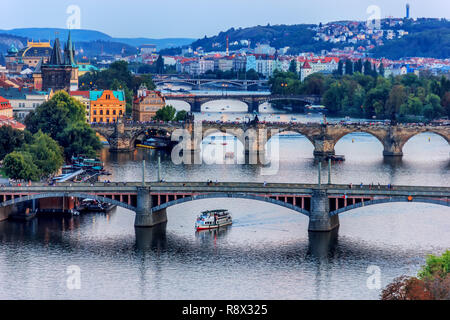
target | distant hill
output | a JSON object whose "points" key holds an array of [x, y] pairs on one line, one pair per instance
{"points": [[6, 40], [298, 37], [80, 35], [427, 38]]}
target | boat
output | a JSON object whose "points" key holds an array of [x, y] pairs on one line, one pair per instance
{"points": [[81, 162], [213, 219], [92, 205], [23, 216], [155, 143], [336, 157]]}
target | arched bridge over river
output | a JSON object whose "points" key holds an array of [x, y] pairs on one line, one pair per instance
{"points": [[321, 203], [254, 136]]}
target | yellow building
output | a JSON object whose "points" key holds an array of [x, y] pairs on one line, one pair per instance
{"points": [[106, 106], [146, 104]]}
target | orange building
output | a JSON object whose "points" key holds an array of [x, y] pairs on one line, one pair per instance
{"points": [[146, 104], [106, 106]]}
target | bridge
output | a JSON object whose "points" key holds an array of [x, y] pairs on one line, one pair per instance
{"points": [[253, 101], [198, 83], [321, 203], [254, 136]]}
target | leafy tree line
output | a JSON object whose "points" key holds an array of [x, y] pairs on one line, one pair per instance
{"points": [[117, 77], [369, 95], [56, 130]]}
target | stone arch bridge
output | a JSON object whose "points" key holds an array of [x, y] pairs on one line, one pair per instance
{"points": [[254, 136], [322, 204], [253, 101]]}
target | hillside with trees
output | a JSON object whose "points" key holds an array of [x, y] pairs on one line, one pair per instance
{"points": [[369, 95]]}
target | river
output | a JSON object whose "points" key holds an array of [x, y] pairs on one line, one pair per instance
{"points": [[266, 254]]}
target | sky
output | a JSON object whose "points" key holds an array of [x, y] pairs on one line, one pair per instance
{"points": [[197, 18]]}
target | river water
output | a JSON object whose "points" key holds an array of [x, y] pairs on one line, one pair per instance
{"points": [[266, 254]]}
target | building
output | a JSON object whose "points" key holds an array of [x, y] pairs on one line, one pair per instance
{"points": [[29, 56], [5, 108], [8, 121], [84, 98], [305, 71], [61, 71], [148, 49], [106, 106], [146, 104], [23, 100]]}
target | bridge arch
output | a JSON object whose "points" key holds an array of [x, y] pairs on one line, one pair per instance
{"points": [[436, 132], [65, 195], [445, 203], [211, 105], [379, 137], [231, 195]]}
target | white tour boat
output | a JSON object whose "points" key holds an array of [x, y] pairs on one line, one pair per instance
{"points": [[213, 219]]}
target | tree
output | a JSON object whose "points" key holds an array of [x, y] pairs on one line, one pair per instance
{"points": [[11, 139], [381, 71], [432, 108], [46, 154], [78, 139], [340, 69], [367, 68], [397, 97], [159, 64], [63, 117], [181, 115], [348, 67], [166, 113], [53, 116], [436, 266], [293, 66], [19, 165]]}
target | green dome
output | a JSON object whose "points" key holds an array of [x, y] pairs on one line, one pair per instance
{"points": [[12, 49]]}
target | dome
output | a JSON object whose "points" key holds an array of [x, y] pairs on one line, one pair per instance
{"points": [[12, 49]]}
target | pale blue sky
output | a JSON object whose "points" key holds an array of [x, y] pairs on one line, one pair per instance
{"points": [[196, 18]]}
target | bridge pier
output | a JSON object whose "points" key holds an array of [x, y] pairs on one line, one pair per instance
{"points": [[323, 148], [319, 218], [145, 216]]}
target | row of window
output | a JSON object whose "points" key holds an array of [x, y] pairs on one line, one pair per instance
{"points": [[100, 120], [94, 112]]}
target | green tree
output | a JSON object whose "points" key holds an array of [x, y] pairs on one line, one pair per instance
{"points": [[19, 165], [436, 266], [397, 97], [78, 139], [159, 64], [340, 69], [53, 116], [433, 108], [293, 66], [348, 67], [46, 154], [367, 68], [62, 117], [181, 115], [166, 113], [12, 139]]}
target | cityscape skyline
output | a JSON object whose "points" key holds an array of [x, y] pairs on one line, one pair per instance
{"points": [[263, 13]]}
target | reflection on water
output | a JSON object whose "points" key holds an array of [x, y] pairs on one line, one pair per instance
{"points": [[266, 254]]}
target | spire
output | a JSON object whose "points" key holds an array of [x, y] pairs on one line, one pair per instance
{"points": [[69, 51], [55, 58], [38, 67]]}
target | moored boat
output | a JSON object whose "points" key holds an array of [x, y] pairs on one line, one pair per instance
{"points": [[213, 219]]}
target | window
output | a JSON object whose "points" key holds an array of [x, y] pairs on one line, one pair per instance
{"points": [[107, 112], [95, 112], [101, 112], [114, 112]]}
